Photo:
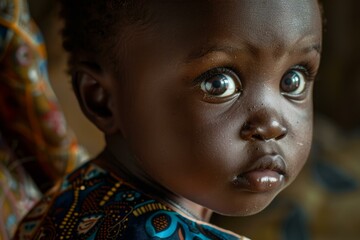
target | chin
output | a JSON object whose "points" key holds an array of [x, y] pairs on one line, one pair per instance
{"points": [[250, 205]]}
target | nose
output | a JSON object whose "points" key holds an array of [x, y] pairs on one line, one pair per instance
{"points": [[263, 126]]}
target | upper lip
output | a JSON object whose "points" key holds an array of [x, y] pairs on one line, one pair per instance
{"points": [[272, 162]]}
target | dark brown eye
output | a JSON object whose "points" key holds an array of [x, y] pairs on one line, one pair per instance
{"points": [[293, 83], [221, 85]]}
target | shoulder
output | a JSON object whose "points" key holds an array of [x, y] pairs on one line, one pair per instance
{"points": [[95, 204], [81, 195]]}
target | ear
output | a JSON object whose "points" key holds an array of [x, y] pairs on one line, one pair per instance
{"points": [[94, 100]]}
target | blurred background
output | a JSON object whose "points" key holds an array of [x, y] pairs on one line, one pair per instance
{"points": [[323, 203], [45, 14]]}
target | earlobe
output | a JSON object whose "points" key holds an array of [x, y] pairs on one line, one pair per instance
{"points": [[94, 101]]}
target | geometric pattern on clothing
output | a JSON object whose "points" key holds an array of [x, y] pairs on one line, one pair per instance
{"points": [[95, 204]]}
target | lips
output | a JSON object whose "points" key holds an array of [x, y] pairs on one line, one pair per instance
{"points": [[265, 174]]}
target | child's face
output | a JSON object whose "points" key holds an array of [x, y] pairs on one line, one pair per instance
{"points": [[217, 99]]}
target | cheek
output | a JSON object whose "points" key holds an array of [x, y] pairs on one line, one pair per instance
{"points": [[211, 139], [299, 140], [188, 134], [174, 135], [201, 148]]}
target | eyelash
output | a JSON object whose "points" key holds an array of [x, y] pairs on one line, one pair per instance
{"points": [[305, 68], [308, 71], [214, 71]]}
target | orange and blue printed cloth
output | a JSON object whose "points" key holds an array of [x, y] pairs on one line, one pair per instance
{"points": [[18, 193], [96, 204], [30, 115], [35, 142]]}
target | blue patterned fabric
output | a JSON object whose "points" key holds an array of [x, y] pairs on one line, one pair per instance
{"points": [[95, 204]]}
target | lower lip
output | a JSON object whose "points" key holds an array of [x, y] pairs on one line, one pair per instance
{"points": [[260, 181]]}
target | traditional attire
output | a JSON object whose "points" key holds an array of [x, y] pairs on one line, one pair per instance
{"points": [[96, 204]]}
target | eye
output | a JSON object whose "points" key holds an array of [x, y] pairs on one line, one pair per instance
{"points": [[293, 83], [220, 83]]}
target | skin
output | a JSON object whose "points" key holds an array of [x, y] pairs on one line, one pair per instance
{"points": [[164, 130]]}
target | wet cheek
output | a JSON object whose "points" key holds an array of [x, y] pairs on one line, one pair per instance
{"points": [[299, 140]]}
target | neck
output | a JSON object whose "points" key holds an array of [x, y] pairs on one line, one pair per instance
{"points": [[190, 208], [117, 158]]}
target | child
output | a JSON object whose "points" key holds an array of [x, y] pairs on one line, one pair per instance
{"points": [[206, 107]]}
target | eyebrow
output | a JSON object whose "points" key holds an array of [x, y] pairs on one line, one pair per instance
{"points": [[315, 47], [228, 49], [202, 52]]}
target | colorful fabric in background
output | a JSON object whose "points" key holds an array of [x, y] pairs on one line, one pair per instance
{"points": [[35, 140], [18, 193], [96, 204]]}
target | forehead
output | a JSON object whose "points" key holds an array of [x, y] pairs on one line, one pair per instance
{"points": [[258, 23]]}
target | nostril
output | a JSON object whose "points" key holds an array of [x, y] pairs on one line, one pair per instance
{"points": [[247, 131], [253, 132], [257, 137], [282, 134]]}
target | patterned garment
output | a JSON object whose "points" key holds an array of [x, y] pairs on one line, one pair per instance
{"points": [[95, 204]]}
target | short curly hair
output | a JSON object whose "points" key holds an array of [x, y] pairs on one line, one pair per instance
{"points": [[94, 26]]}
